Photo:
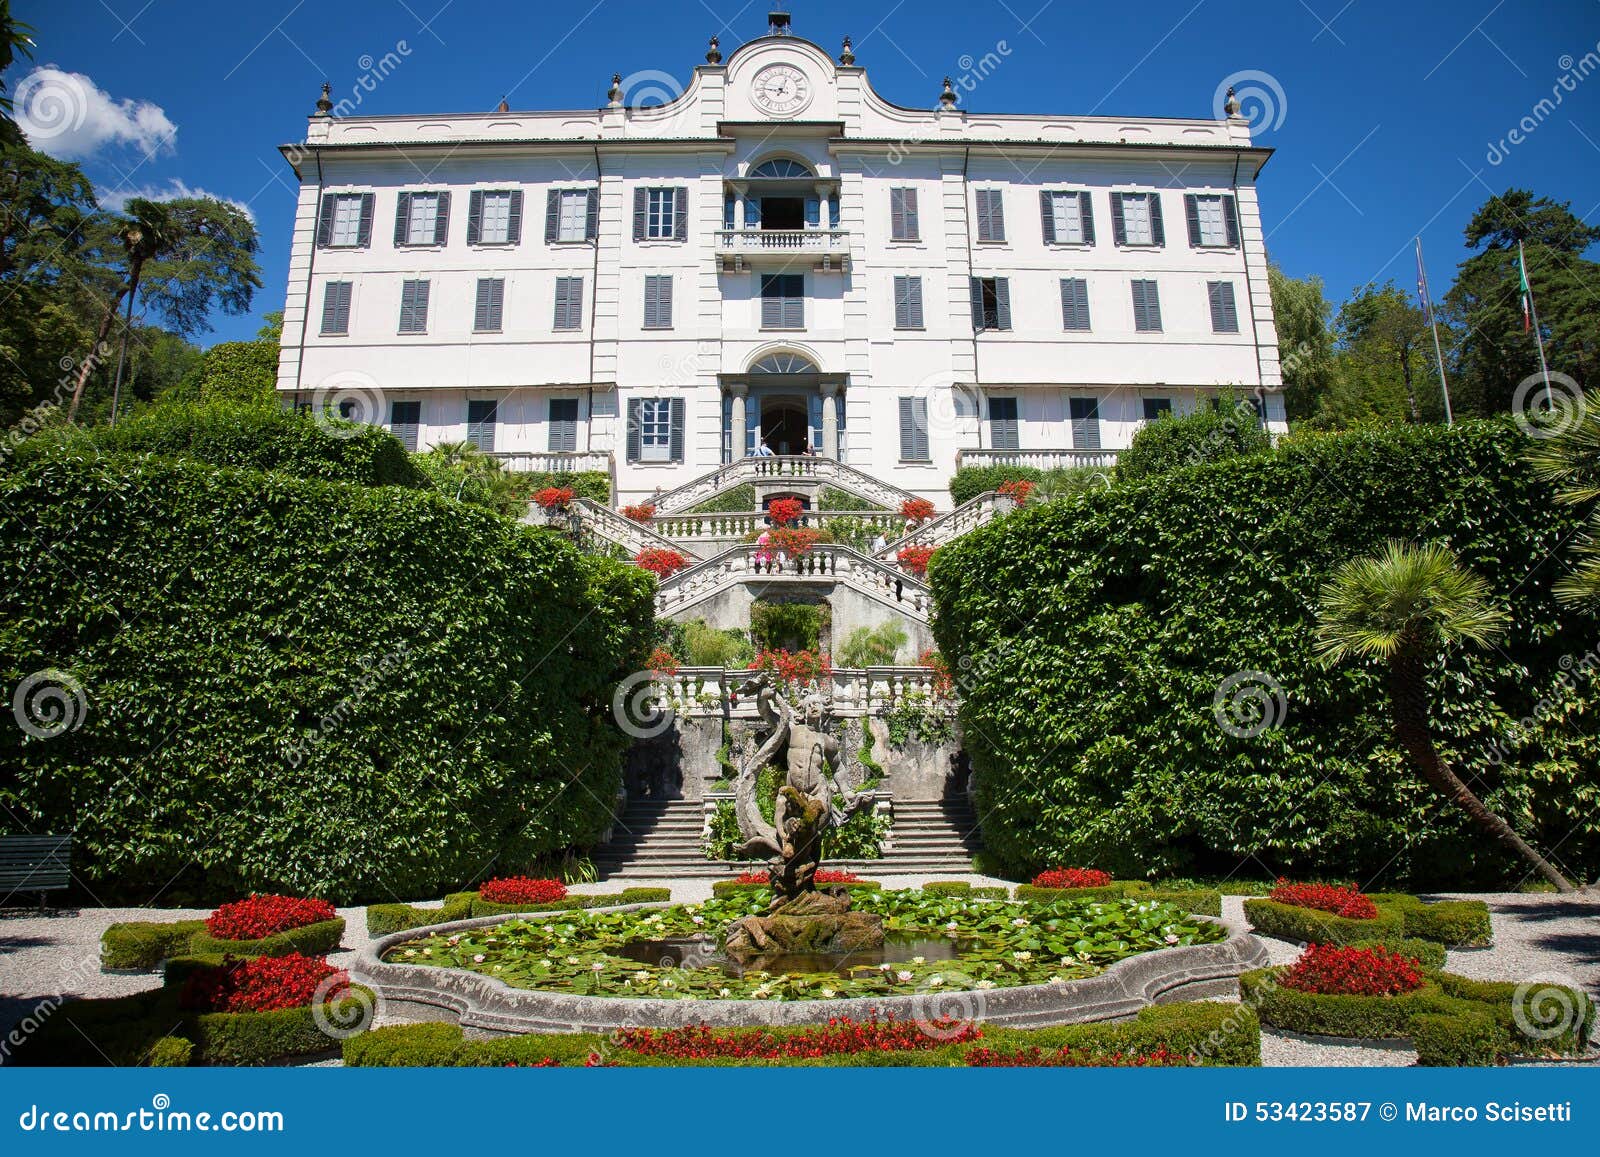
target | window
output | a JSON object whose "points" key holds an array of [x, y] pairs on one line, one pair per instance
{"points": [[1074, 304], [1068, 218], [563, 425], [422, 219], [1146, 307], [661, 214], [1003, 423], [914, 430], [991, 215], [903, 220], [494, 217], [1224, 312], [1085, 413], [345, 221], [414, 307], [481, 419], [991, 303], [783, 301], [658, 301], [571, 215], [405, 419], [779, 168], [1136, 219], [569, 303], [487, 313], [1156, 408], [908, 303], [655, 430], [1213, 222], [336, 308]]}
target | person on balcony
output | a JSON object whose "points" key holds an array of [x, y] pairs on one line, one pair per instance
{"points": [[763, 450]]}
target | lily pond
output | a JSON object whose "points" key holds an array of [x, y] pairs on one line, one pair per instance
{"points": [[933, 942]]}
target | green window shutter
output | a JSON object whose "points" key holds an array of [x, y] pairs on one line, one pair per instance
{"points": [[675, 447], [1158, 232], [913, 429], [641, 213], [591, 215], [1224, 309], [474, 216], [1230, 220], [1074, 304], [1086, 211], [1119, 222], [514, 219], [402, 220], [441, 220], [552, 216], [633, 429], [336, 308], [1191, 211], [680, 214], [1085, 415], [563, 423], [1002, 302], [1047, 215], [325, 221], [1003, 423], [976, 288], [364, 227]]}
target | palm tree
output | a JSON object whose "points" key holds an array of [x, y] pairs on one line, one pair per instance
{"points": [[1402, 606], [1571, 459], [146, 233]]}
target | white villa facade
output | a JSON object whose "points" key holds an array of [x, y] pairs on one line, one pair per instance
{"points": [[778, 255]]}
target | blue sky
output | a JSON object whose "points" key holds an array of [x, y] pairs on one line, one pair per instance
{"points": [[1390, 117]]}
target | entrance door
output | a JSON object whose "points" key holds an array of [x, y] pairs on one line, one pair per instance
{"points": [[784, 427], [783, 213]]}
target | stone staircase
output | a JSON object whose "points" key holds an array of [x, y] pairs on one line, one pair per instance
{"points": [[660, 840]]}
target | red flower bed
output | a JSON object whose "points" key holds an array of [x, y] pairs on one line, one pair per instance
{"points": [[661, 563], [662, 662], [523, 890], [262, 916], [943, 681], [1072, 878], [914, 559], [261, 984], [785, 511], [639, 513], [1075, 1059], [1341, 899], [1019, 491], [793, 667], [1334, 970], [917, 510], [554, 497], [841, 1037], [793, 540], [823, 876]]}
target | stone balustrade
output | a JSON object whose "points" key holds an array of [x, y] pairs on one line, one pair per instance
{"points": [[795, 468], [822, 563], [852, 691], [538, 462], [1045, 459], [964, 518]]}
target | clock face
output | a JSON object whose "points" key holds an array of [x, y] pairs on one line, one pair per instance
{"points": [[781, 90]]}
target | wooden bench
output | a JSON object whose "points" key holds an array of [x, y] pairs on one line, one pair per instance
{"points": [[39, 864]]}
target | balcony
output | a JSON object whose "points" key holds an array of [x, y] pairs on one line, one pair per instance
{"points": [[826, 250], [1038, 459], [551, 462]]}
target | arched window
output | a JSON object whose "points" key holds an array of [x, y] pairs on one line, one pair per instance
{"points": [[779, 168], [784, 363]]}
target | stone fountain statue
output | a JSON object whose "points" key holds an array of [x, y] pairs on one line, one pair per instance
{"points": [[812, 800]]}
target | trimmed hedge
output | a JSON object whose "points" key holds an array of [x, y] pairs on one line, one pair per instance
{"points": [[1206, 901], [220, 433], [332, 690], [1216, 1034], [312, 940], [1455, 1040], [1352, 1016], [963, 888], [1455, 923], [1574, 1008], [1427, 953], [734, 888], [1100, 631], [1210, 434], [382, 919], [142, 945]]}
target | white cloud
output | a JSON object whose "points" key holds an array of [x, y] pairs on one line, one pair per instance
{"points": [[67, 115], [171, 191]]}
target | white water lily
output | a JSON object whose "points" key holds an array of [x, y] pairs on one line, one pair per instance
{"points": [[698, 919], [572, 960], [1024, 955], [935, 980], [597, 967], [952, 926], [984, 984], [479, 958], [1058, 980], [547, 964], [411, 951], [919, 960], [1171, 939], [828, 994], [427, 952], [641, 976], [903, 976], [724, 992], [1019, 922]]}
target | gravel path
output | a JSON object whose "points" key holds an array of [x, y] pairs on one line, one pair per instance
{"points": [[44, 958]]}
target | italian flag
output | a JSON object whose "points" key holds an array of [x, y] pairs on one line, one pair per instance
{"points": [[1527, 290]]}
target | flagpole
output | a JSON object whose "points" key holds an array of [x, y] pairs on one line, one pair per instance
{"points": [[1533, 316], [1433, 321]]}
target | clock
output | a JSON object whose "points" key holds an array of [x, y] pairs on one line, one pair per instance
{"points": [[781, 89]]}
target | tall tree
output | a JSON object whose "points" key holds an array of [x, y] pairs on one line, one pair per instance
{"points": [[1385, 340], [1403, 606], [192, 254], [1305, 347], [1484, 306]]}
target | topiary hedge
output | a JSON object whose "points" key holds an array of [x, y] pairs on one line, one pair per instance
{"points": [[304, 687], [1096, 636], [143, 945], [1456, 923], [1206, 901], [261, 437]]}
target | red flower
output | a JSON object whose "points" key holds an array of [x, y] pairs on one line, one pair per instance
{"points": [[917, 510], [1072, 878], [842, 1036], [523, 890], [793, 540], [914, 559], [984, 1058], [262, 984], [642, 513], [1018, 490], [661, 563], [785, 511], [554, 497], [262, 916], [662, 663], [1334, 970], [796, 667], [1341, 899], [822, 876], [943, 682]]}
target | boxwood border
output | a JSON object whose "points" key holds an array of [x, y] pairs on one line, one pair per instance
{"points": [[142, 945]]}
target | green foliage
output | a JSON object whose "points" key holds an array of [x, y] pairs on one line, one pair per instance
{"points": [[695, 644], [970, 481], [1210, 434], [789, 626], [1372, 1017], [740, 499], [832, 498], [1569, 457], [871, 646], [1457, 923], [143, 945], [917, 716], [240, 371], [1459, 1040], [592, 484], [312, 940], [1428, 953], [228, 434], [331, 690], [1305, 347], [1099, 633]]}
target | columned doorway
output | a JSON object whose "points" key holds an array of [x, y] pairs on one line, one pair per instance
{"points": [[785, 403], [784, 426]]}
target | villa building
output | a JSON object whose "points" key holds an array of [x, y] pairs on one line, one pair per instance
{"points": [[776, 255]]}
